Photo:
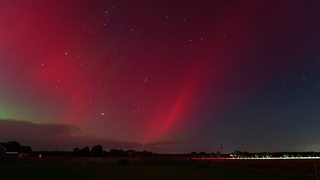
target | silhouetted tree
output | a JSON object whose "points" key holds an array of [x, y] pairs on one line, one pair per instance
{"points": [[81, 152], [203, 154], [194, 154], [76, 151], [116, 152], [215, 155], [147, 153], [131, 152], [13, 144], [243, 154], [97, 150], [85, 151]]}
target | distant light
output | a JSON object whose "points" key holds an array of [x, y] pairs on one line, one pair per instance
{"points": [[254, 158]]}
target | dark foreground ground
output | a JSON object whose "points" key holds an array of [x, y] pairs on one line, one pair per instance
{"points": [[154, 168]]}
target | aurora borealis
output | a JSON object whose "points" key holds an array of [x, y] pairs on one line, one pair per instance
{"points": [[169, 75]]}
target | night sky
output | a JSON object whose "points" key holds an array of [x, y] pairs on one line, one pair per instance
{"points": [[166, 76]]}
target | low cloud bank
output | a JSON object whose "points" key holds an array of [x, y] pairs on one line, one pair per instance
{"points": [[50, 136]]}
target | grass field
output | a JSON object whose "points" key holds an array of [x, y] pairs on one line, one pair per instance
{"points": [[57, 171], [47, 170]]}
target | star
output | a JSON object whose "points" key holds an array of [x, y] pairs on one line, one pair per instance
{"points": [[146, 80]]}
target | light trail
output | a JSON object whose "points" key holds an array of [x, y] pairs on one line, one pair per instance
{"points": [[253, 158]]}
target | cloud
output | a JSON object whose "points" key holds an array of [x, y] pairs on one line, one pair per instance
{"points": [[29, 129], [40, 136], [50, 136]]}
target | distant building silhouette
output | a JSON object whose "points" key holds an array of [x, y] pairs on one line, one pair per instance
{"points": [[3, 150], [14, 148]]}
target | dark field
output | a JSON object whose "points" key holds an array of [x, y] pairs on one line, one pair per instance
{"points": [[153, 168]]}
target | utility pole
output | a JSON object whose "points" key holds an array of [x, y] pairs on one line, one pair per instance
{"points": [[221, 149]]}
